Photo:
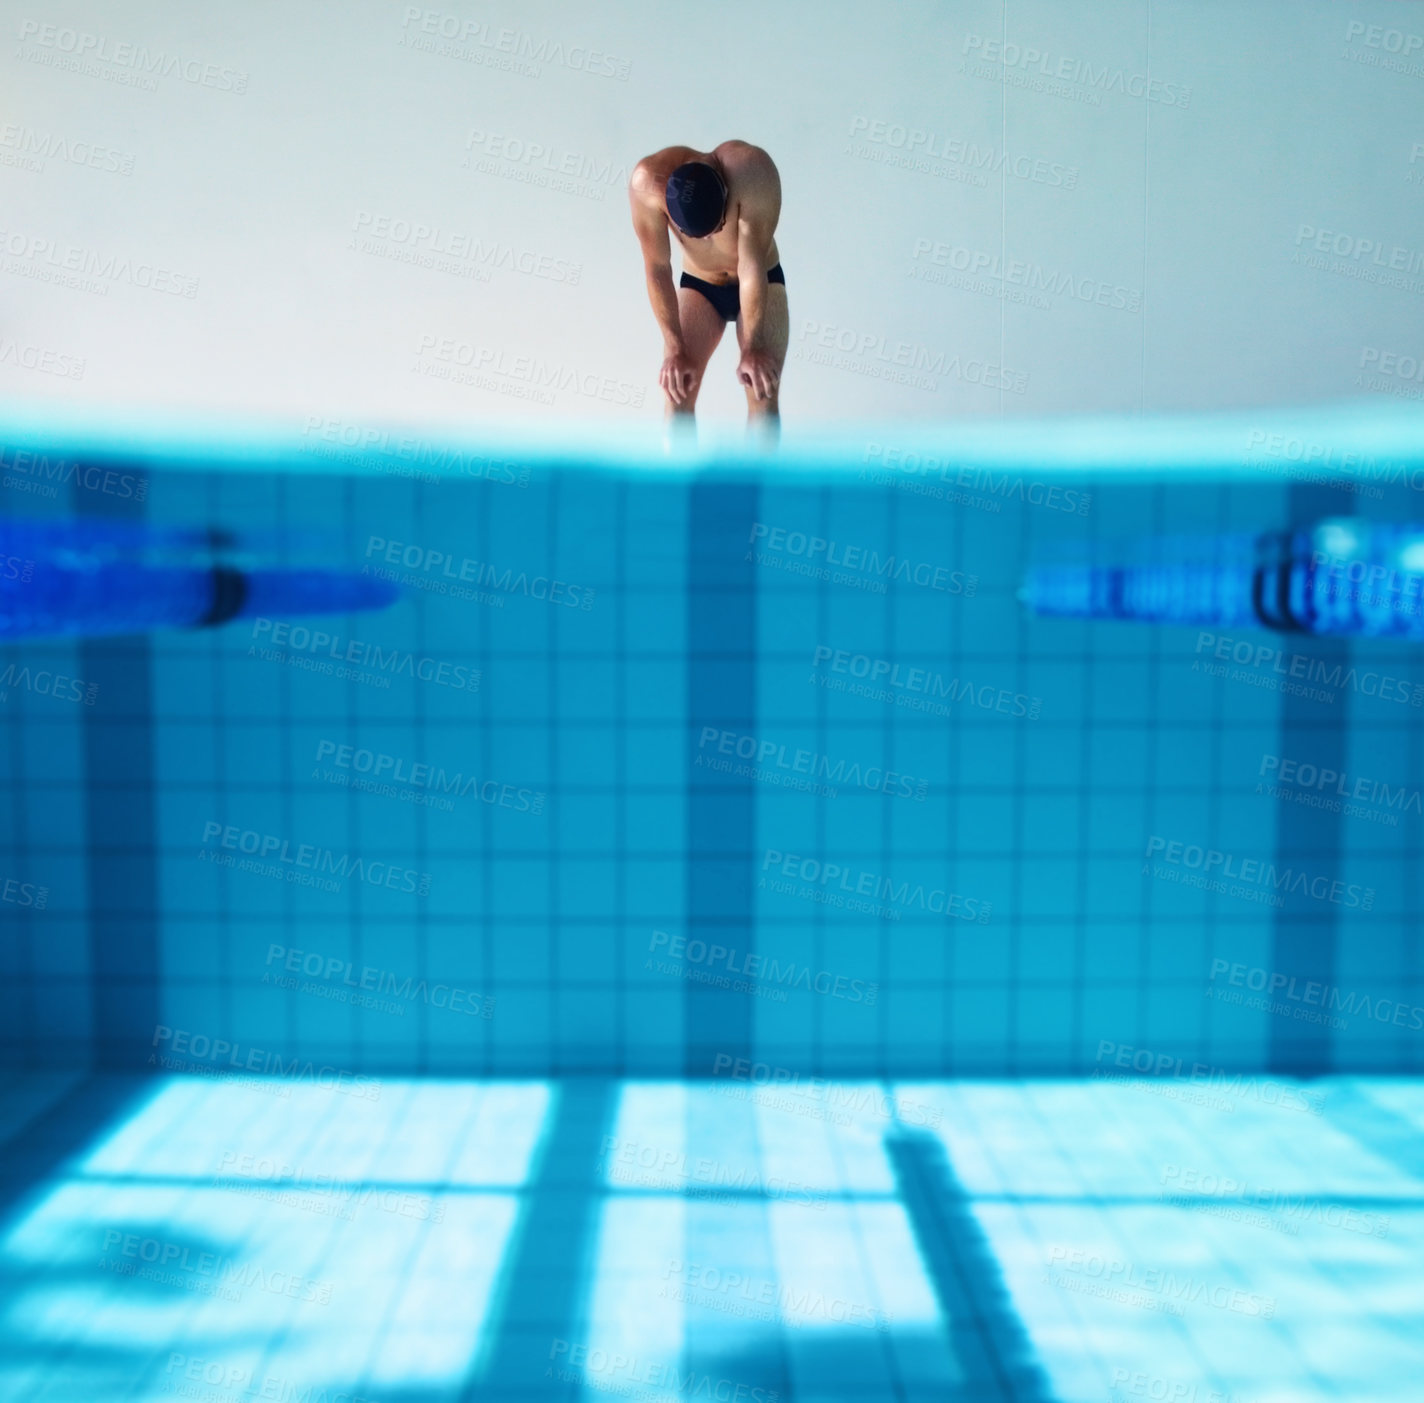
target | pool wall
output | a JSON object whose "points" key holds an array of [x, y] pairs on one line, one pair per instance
{"points": [[661, 774], [418, 212]]}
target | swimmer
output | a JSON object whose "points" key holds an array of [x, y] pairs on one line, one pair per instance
{"points": [[722, 206]]}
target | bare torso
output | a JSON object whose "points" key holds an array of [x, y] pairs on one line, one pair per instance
{"points": [[713, 259]]}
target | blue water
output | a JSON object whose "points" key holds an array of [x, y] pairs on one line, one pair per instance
{"points": [[711, 868]]}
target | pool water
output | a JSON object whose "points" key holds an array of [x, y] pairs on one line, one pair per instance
{"points": [[787, 960]]}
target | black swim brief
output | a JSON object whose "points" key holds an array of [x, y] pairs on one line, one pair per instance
{"points": [[726, 297]]}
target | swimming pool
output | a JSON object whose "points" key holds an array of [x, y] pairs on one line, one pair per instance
{"points": [[660, 757], [712, 867]]}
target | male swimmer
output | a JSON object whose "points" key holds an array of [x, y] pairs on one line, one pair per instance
{"points": [[722, 206]]}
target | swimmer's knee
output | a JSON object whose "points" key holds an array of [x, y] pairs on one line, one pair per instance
{"points": [[767, 405]]}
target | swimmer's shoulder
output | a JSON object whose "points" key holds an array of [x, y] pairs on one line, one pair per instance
{"points": [[752, 174], [743, 158]]}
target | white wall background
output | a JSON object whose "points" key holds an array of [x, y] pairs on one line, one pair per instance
{"points": [[1195, 209]]}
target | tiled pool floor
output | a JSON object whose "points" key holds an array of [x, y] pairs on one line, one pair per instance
{"points": [[419, 1240]]}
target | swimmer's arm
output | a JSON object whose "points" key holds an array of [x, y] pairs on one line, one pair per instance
{"points": [[757, 216], [650, 225]]}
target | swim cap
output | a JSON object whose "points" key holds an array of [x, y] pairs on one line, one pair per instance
{"points": [[696, 198]]}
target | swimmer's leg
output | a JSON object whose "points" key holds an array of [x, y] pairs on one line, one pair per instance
{"points": [[776, 335], [702, 327]]}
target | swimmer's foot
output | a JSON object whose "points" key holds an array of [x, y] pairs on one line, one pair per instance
{"points": [[679, 432], [764, 430]]}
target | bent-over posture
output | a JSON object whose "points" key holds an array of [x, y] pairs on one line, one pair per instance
{"points": [[722, 206]]}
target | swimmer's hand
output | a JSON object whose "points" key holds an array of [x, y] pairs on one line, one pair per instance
{"points": [[758, 370], [678, 377]]}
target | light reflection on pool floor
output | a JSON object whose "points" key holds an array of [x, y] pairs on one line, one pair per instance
{"points": [[1069, 1240]]}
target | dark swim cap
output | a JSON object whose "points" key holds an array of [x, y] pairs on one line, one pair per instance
{"points": [[696, 198]]}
